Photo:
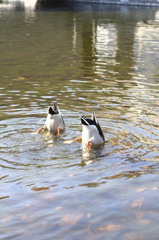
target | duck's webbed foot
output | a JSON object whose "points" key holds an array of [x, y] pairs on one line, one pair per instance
{"points": [[58, 132], [71, 141], [89, 144], [78, 139], [38, 131]]}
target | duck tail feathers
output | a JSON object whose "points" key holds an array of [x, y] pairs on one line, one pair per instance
{"points": [[84, 121], [56, 109], [94, 118]]}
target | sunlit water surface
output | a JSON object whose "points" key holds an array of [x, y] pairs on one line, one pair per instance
{"points": [[102, 60]]}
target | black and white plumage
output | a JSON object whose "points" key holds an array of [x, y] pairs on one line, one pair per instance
{"points": [[54, 121], [91, 131]]}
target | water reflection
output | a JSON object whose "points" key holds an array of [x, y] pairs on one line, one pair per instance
{"points": [[90, 155], [28, 6], [106, 49], [22, 4]]}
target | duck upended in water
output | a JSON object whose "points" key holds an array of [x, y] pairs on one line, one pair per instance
{"points": [[54, 121], [91, 131]]}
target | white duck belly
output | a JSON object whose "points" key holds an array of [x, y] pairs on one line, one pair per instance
{"points": [[91, 134], [61, 123], [53, 122]]}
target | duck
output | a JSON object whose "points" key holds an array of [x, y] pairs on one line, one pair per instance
{"points": [[54, 122], [92, 133]]}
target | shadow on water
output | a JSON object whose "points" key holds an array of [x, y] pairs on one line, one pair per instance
{"points": [[53, 5]]}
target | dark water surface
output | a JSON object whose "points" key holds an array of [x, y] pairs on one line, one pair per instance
{"points": [[102, 60]]}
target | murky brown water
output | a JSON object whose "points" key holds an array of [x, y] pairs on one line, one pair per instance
{"points": [[102, 60]]}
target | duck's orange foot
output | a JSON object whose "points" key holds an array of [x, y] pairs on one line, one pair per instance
{"points": [[78, 139], [71, 141], [89, 144], [58, 132], [38, 131]]}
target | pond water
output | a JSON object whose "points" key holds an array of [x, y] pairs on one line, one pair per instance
{"points": [[102, 59]]}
